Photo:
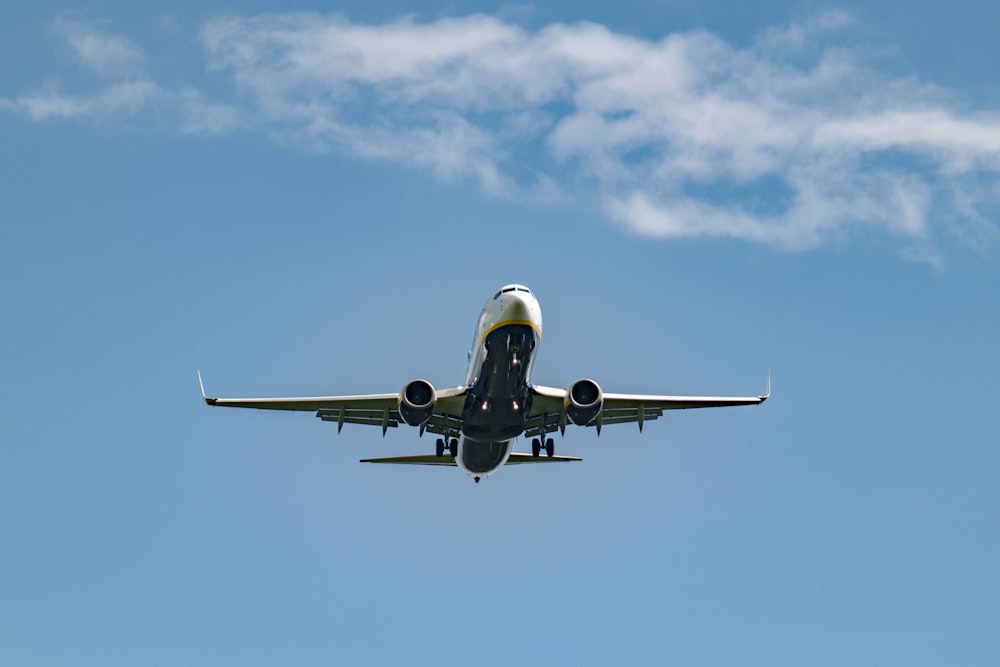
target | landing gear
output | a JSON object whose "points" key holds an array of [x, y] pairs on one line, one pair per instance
{"points": [[536, 447], [440, 446]]}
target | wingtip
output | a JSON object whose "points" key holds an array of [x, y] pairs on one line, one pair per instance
{"points": [[768, 394], [210, 401]]}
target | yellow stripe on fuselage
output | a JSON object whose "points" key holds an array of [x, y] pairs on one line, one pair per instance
{"points": [[507, 323]]}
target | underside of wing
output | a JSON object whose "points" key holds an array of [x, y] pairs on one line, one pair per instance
{"points": [[635, 408], [369, 409], [548, 410], [432, 460]]}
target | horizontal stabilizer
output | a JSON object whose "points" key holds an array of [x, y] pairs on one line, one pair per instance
{"points": [[432, 460], [528, 458], [418, 459]]}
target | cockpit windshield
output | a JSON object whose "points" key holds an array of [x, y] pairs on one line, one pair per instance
{"points": [[511, 288]]}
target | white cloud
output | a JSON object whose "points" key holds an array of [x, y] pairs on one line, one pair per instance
{"points": [[793, 142], [187, 111], [121, 99], [452, 149], [199, 115], [957, 144], [800, 34], [95, 49], [128, 92]]}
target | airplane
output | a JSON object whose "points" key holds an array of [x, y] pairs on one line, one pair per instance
{"points": [[479, 420]]}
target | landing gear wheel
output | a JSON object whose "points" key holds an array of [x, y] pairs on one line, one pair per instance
{"points": [[536, 448], [439, 449], [453, 447], [550, 447]]}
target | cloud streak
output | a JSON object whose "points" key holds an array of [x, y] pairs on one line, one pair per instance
{"points": [[120, 99], [793, 141], [97, 49]]}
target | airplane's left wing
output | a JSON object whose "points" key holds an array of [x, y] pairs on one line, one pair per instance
{"points": [[549, 404], [371, 409]]}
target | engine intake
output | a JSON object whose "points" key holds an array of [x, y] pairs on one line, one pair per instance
{"points": [[416, 402], [584, 401]]}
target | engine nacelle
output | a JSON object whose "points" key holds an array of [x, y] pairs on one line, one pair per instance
{"points": [[584, 401], [416, 402]]}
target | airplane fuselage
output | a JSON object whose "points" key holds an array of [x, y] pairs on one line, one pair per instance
{"points": [[499, 380]]}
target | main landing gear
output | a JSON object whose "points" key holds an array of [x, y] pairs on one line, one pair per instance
{"points": [[536, 447], [452, 447]]}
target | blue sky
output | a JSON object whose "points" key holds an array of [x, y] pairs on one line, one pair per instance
{"points": [[308, 199]]}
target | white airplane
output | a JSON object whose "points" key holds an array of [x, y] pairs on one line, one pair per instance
{"points": [[480, 420]]}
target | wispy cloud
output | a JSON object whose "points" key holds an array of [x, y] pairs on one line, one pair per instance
{"points": [[126, 91], [793, 141], [119, 99], [95, 47], [800, 34]]}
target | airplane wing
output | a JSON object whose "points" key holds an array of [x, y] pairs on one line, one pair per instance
{"points": [[548, 408], [372, 409], [448, 460]]}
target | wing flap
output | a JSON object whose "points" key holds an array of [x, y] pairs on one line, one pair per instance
{"points": [[444, 424], [543, 423], [367, 417]]}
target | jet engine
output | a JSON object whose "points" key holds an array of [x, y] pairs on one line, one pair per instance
{"points": [[583, 402], [416, 402]]}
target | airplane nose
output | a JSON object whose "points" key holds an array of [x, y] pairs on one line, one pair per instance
{"points": [[516, 307]]}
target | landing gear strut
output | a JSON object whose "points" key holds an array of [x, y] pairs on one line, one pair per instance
{"points": [[549, 446]]}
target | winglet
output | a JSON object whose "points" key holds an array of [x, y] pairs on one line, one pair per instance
{"points": [[768, 394], [210, 401]]}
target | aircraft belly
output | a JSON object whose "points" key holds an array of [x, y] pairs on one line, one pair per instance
{"points": [[499, 397]]}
